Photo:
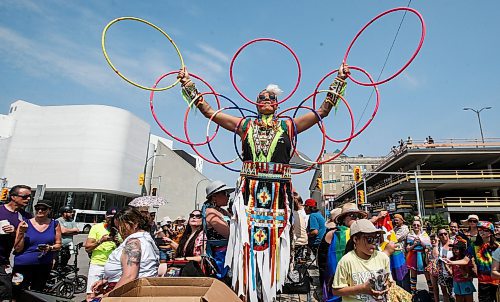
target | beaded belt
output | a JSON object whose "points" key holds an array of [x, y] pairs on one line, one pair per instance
{"points": [[266, 170]]}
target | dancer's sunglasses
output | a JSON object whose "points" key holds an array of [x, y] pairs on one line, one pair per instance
{"points": [[263, 97]]}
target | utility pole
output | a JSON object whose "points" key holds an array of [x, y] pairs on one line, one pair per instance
{"points": [[479, 118]]}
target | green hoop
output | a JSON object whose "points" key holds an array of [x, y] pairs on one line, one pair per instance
{"points": [[103, 43]]}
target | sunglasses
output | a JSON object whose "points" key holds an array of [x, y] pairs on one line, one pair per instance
{"points": [[443, 234], [354, 216], [24, 196], [195, 216], [43, 209], [271, 97], [372, 239], [473, 221], [415, 225]]}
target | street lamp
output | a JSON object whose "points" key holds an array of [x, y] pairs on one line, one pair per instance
{"points": [[479, 119], [144, 190], [196, 192]]}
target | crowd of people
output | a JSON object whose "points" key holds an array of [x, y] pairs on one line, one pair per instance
{"points": [[354, 263]]}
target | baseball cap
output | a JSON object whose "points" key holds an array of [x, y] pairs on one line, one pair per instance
{"points": [[364, 226], [310, 202], [44, 202], [486, 225]]}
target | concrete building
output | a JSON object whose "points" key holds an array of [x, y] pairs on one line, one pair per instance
{"points": [[452, 178], [86, 155], [334, 177]]}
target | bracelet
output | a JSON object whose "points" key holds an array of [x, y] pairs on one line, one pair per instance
{"points": [[328, 100], [190, 91]]}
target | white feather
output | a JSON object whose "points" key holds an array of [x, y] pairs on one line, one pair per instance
{"points": [[274, 89]]}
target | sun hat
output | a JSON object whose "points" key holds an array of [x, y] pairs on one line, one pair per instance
{"points": [[217, 186], [180, 218], [166, 220], [349, 208], [331, 219], [472, 216], [364, 226], [310, 203]]}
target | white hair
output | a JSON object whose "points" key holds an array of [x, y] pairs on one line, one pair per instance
{"points": [[274, 89]]}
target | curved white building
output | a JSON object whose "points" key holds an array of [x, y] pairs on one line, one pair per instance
{"points": [[96, 152]]}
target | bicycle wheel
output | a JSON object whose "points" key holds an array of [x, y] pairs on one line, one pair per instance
{"points": [[65, 290], [80, 284]]}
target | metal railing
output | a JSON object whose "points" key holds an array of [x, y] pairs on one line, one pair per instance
{"points": [[464, 202]]}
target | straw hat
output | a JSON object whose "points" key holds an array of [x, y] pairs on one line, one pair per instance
{"points": [[216, 187], [347, 209], [470, 217], [331, 219]]}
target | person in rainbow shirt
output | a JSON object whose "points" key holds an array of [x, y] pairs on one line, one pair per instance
{"points": [[481, 250]]}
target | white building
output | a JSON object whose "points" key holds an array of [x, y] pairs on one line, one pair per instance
{"points": [[86, 155]]}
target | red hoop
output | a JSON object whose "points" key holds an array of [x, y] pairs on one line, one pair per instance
{"points": [[268, 40], [375, 110], [412, 57], [160, 124]]}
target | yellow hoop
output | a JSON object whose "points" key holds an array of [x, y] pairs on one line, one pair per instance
{"points": [[103, 42]]}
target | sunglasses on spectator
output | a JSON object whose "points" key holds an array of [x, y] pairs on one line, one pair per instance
{"points": [[43, 209], [372, 239], [23, 196], [443, 234], [355, 216], [195, 216], [271, 97], [473, 221], [415, 225]]}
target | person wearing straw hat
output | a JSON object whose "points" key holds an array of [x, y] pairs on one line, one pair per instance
{"points": [[472, 230], [355, 271], [216, 224], [263, 199]]}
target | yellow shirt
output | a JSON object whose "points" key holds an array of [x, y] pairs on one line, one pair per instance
{"points": [[353, 270], [101, 253]]}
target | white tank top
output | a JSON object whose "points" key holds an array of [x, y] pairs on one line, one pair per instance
{"points": [[149, 258]]}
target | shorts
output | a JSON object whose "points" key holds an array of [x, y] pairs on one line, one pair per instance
{"points": [[5, 282], [96, 273], [463, 288], [164, 255]]}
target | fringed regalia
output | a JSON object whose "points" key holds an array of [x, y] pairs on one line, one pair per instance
{"points": [[259, 243]]}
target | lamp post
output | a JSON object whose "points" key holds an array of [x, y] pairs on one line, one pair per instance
{"points": [[479, 118], [144, 189], [196, 192]]}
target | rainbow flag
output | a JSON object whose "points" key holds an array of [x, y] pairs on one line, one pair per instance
{"points": [[398, 261]]}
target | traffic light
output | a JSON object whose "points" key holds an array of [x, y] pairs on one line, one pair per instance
{"points": [[357, 174], [141, 179], [319, 183], [153, 192], [361, 196], [5, 192]]}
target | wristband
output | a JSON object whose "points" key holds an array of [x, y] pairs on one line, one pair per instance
{"points": [[338, 88], [190, 92]]}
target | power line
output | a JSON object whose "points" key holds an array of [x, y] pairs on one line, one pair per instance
{"points": [[385, 63]]}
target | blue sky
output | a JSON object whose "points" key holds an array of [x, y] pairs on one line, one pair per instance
{"points": [[50, 54]]}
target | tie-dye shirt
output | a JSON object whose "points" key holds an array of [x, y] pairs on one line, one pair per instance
{"points": [[482, 254]]}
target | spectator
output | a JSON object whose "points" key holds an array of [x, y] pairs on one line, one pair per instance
{"points": [[453, 230], [472, 231], [68, 230], [11, 214], [300, 220], [431, 269], [400, 271], [153, 227], [216, 224], [323, 249], [362, 259], [36, 241], [162, 239], [482, 251], [417, 242], [462, 274], [101, 241], [497, 231], [495, 268], [445, 277], [136, 257], [179, 227], [428, 227], [316, 226]]}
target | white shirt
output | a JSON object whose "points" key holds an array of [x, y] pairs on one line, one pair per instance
{"points": [[150, 258]]}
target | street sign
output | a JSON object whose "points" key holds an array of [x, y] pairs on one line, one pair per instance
{"points": [[330, 181]]}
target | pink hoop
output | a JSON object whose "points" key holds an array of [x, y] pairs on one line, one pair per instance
{"points": [[160, 124], [268, 40], [412, 57], [375, 110]]}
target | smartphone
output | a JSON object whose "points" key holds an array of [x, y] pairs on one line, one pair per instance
{"points": [[42, 246]]}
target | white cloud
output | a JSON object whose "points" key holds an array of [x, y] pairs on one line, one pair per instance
{"points": [[214, 53]]}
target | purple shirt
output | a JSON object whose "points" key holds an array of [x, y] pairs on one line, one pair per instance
{"points": [[31, 255], [7, 240]]}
